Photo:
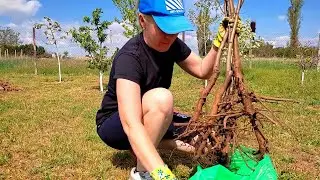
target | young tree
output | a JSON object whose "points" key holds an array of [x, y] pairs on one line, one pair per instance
{"points": [[94, 45], [248, 40], [294, 19], [201, 17], [53, 33], [128, 10], [308, 59]]}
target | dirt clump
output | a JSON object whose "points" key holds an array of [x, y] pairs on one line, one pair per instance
{"points": [[6, 86]]}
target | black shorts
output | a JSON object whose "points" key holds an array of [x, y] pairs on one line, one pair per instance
{"points": [[111, 131]]}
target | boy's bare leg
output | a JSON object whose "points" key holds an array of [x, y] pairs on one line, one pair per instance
{"points": [[171, 144], [157, 106]]}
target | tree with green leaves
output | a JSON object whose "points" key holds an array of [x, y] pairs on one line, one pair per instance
{"points": [[128, 10], [9, 37], [294, 19], [92, 38], [65, 54], [201, 17], [53, 33], [248, 40]]}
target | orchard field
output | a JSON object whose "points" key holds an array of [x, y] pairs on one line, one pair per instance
{"points": [[47, 129]]}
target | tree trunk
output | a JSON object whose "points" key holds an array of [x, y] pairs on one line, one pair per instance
{"points": [[59, 64], [250, 59], [302, 77], [100, 80], [34, 52], [205, 47]]}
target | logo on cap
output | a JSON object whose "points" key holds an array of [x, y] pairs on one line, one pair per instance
{"points": [[174, 6]]}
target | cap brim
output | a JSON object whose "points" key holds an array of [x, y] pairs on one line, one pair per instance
{"points": [[173, 24]]}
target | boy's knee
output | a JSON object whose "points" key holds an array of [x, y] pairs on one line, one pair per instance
{"points": [[158, 98]]}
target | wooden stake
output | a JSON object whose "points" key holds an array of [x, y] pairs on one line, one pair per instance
{"points": [[34, 51]]}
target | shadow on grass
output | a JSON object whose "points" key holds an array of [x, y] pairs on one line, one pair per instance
{"points": [[175, 158], [126, 160], [95, 87]]}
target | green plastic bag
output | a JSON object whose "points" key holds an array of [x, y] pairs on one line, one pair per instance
{"points": [[239, 170]]}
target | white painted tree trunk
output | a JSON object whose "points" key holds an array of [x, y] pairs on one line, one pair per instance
{"points": [[302, 77], [34, 51], [100, 80], [59, 64], [35, 67]]}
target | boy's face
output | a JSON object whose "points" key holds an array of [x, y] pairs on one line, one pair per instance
{"points": [[154, 37]]}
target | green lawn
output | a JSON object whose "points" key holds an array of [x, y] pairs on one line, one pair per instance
{"points": [[47, 130]]}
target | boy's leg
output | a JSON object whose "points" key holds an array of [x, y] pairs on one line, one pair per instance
{"points": [[173, 132], [157, 106], [171, 144]]}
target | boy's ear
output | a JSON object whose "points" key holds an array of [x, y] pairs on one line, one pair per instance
{"points": [[142, 21]]}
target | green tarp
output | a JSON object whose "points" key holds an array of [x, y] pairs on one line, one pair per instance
{"points": [[238, 169]]}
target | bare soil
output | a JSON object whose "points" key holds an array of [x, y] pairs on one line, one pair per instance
{"points": [[6, 86]]}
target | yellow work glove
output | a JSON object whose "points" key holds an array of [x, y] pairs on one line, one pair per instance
{"points": [[163, 173], [222, 30]]}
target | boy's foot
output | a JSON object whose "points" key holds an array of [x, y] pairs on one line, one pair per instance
{"points": [[136, 175]]}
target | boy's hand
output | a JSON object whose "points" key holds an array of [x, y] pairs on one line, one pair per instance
{"points": [[163, 173], [222, 30]]}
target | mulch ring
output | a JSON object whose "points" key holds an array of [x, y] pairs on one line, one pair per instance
{"points": [[6, 86]]}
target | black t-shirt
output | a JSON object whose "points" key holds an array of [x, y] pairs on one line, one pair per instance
{"points": [[137, 62]]}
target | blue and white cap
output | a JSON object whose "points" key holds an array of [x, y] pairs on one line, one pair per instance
{"points": [[168, 15]]}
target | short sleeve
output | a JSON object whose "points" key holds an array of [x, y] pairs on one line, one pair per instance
{"points": [[127, 67], [180, 50]]}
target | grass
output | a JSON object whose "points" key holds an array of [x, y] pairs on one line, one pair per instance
{"points": [[47, 130]]}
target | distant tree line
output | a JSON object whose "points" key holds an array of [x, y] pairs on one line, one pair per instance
{"points": [[10, 41], [294, 48], [27, 50], [268, 50]]}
